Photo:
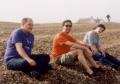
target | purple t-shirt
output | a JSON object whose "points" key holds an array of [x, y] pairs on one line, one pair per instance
{"points": [[18, 36]]}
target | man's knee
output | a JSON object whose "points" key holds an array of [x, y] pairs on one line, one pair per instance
{"points": [[47, 57], [17, 64], [44, 58], [79, 51]]}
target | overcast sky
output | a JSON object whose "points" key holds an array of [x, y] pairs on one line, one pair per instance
{"points": [[57, 10]]}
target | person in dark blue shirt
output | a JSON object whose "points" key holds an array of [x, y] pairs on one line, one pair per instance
{"points": [[18, 53]]}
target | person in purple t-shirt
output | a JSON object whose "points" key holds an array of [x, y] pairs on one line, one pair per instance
{"points": [[18, 53]]}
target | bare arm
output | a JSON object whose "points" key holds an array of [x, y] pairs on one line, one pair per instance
{"points": [[83, 43], [92, 47], [75, 45], [23, 54]]}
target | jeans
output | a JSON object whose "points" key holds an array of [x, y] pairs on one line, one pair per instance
{"points": [[107, 59], [21, 64], [113, 59]]}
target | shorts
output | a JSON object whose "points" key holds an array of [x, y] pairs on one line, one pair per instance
{"points": [[67, 58]]}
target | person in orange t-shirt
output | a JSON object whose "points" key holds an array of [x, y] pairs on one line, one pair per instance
{"points": [[66, 49]]}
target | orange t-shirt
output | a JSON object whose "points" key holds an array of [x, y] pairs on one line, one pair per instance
{"points": [[58, 47]]}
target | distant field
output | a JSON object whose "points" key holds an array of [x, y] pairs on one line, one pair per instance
{"points": [[46, 32]]}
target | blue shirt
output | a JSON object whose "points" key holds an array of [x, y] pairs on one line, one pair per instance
{"points": [[18, 36], [92, 39]]}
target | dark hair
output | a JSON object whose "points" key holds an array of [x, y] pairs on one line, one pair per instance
{"points": [[101, 26], [66, 22]]}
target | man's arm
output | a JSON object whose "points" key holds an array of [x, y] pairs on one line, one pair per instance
{"points": [[75, 45], [92, 47], [83, 43], [23, 54]]}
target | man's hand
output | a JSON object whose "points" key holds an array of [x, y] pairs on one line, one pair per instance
{"points": [[103, 53], [31, 62], [93, 49]]}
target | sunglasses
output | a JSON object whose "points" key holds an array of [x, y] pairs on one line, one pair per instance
{"points": [[68, 25]]}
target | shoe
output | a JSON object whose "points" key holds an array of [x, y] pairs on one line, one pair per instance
{"points": [[116, 67], [35, 74], [26, 72]]}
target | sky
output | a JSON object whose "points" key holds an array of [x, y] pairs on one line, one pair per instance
{"points": [[52, 11]]}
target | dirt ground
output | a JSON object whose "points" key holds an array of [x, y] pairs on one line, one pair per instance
{"points": [[73, 74]]}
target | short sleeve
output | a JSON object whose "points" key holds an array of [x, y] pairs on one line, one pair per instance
{"points": [[90, 39], [17, 37], [72, 39], [61, 40]]}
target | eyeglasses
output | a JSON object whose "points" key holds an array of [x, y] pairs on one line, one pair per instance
{"points": [[68, 25]]}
